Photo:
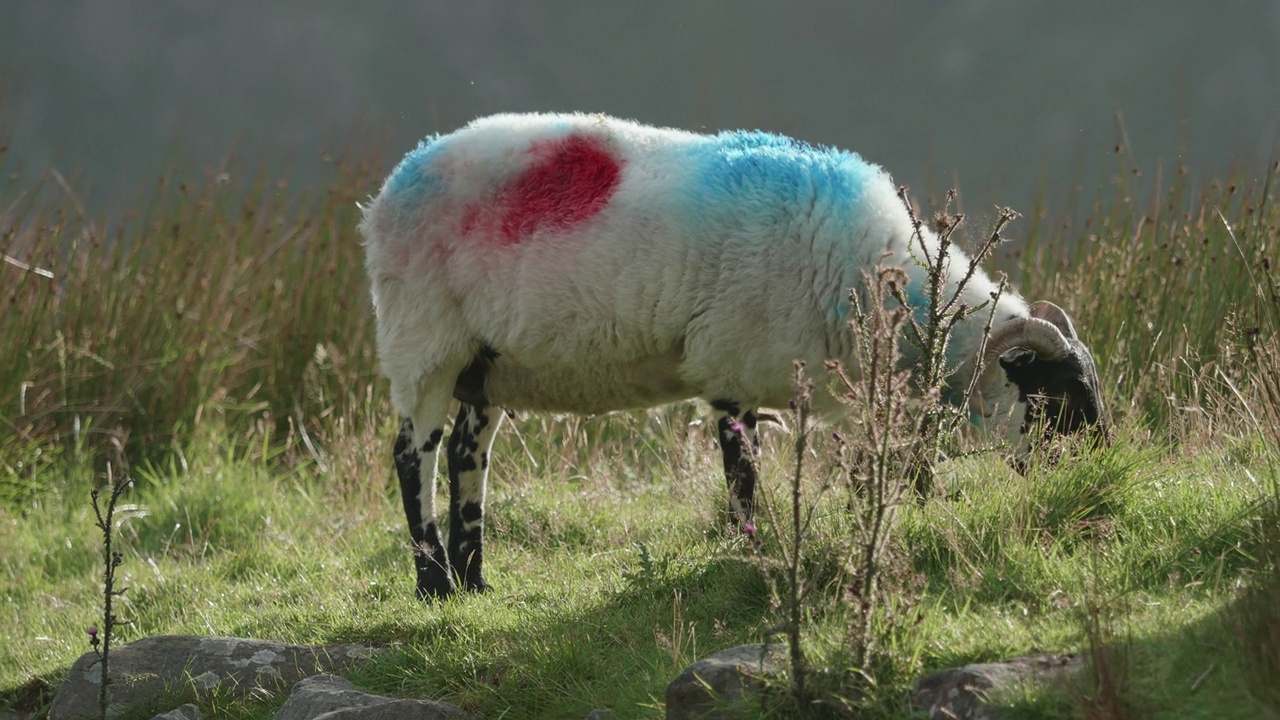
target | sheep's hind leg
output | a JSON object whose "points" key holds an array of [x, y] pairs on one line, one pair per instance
{"points": [[740, 446], [468, 457], [415, 459]]}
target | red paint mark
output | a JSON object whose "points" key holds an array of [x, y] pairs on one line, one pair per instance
{"points": [[571, 181], [568, 181]]}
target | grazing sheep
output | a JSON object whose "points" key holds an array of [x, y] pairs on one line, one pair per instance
{"points": [[584, 264]]}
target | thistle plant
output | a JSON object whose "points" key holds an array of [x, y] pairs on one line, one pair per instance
{"points": [[929, 329], [100, 639]]}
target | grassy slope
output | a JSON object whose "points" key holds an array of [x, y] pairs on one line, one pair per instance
{"points": [[607, 587]]}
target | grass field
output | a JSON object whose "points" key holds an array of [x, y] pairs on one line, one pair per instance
{"points": [[217, 337]]}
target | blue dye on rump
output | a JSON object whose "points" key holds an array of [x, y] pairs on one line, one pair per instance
{"points": [[413, 177]]}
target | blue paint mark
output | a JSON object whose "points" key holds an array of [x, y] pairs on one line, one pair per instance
{"points": [[738, 165], [764, 181], [767, 189], [414, 176]]}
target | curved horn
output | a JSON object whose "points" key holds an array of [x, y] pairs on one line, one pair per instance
{"points": [[1039, 336]]}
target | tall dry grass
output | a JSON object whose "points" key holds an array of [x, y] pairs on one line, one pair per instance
{"points": [[1173, 293], [227, 296]]}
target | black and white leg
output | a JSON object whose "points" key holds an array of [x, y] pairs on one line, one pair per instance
{"points": [[468, 460], [740, 446], [415, 459], [412, 456]]}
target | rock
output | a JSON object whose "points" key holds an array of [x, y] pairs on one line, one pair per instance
{"points": [[185, 712], [164, 671], [707, 688], [973, 692], [600, 714], [328, 697]]}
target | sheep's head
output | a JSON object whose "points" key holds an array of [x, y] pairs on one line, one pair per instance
{"points": [[1042, 378]]}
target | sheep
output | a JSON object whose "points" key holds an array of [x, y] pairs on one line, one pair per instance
{"points": [[575, 263]]}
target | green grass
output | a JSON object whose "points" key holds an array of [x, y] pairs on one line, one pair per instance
{"points": [[606, 587], [219, 337]]}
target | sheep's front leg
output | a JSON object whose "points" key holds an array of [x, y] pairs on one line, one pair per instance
{"points": [[740, 446], [468, 458], [415, 458]]}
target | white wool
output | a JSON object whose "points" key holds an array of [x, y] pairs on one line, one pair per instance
{"points": [[686, 283]]}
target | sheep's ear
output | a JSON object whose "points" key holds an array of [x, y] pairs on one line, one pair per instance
{"points": [[1051, 313]]}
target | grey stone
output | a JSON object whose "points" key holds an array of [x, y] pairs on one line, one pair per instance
{"points": [[328, 697], [709, 688], [600, 714], [167, 670], [185, 712], [973, 692]]}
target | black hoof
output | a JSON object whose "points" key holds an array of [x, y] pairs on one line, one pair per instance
{"points": [[472, 582], [435, 583]]}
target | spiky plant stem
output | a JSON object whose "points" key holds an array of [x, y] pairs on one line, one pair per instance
{"points": [[111, 560]]}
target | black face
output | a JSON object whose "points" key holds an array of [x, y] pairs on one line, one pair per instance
{"points": [[1063, 396]]}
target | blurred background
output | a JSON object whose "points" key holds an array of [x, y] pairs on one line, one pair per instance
{"points": [[1006, 99]]}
